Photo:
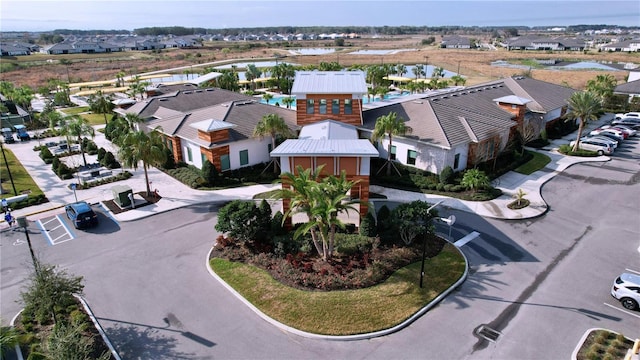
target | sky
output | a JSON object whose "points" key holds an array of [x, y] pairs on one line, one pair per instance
{"points": [[44, 15]]}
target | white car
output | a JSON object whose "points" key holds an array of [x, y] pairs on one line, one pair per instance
{"points": [[617, 134], [612, 142], [629, 114], [599, 147], [626, 288], [629, 131]]}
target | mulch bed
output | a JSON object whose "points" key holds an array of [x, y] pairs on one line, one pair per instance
{"points": [[115, 209]]}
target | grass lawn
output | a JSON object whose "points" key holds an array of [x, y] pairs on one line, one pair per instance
{"points": [[95, 119], [345, 312], [538, 162], [75, 110], [21, 178]]}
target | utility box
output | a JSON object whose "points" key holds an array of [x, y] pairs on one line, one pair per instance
{"points": [[122, 195]]}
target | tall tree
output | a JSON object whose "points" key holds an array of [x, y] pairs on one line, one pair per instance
{"points": [[390, 125], [602, 86], [77, 126], [585, 106], [272, 125], [418, 71], [288, 101], [322, 200], [101, 103], [252, 74], [458, 80], [401, 69], [138, 146]]}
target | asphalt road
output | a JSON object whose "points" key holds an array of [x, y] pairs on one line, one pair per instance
{"points": [[539, 283]]}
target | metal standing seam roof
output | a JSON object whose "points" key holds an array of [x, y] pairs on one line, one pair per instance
{"points": [[325, 147], [329, 82], [328, 129]]}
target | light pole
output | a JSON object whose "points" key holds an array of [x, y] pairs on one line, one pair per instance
{"points": [[4, 156], [424, 241]]}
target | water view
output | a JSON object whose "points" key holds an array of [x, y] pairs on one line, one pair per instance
{"points": [[312, 51]]}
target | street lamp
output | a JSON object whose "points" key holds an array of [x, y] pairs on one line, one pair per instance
{"points": [[22, 222], [424, 240]]}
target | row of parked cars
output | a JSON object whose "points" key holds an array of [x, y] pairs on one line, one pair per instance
{"points": [[605, 139], [21, 133]]}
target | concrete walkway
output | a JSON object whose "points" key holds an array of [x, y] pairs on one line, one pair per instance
{"points": [[176, 195]]}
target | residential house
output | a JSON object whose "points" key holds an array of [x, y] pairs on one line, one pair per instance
{"points": [[211, 124], [455, 42], [545, 43], [464, 127], [632, 45], [631, 88], [329, 109]]}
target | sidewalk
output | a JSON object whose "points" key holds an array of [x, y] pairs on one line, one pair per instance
{"points": [[176, 195]]}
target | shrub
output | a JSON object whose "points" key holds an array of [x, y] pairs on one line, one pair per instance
{"points": [[446, 174], [101, 153], [45, 153], [440, 187], [448, 187], [368, 225], [383, 218], [209, 173], [348, 244], [242, 220]]}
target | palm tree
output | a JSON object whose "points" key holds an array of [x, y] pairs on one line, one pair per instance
{"points": [[474, 179], [267, 97], [138, 146], [389, 125], [458, 80], [120, 79], [585, 106], [77, 126], [418, 71], [437, 73], [102, 104], [328, 199], [288, 100], [401, 69], [274, 126], [602, 86], [251, 74], [321, 200]]}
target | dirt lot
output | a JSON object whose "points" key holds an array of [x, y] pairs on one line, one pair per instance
{"points": [[34, 70]]}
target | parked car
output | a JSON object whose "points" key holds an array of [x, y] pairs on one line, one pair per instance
{"points": [[599, 147], [81, 215], [22, 133], [8, 136], [633, 123], [626, 288], [629, 114], [619, 135], [629, 131], [614, 143]]}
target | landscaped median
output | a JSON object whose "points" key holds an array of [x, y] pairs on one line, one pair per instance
{"points": [[346, 312]]}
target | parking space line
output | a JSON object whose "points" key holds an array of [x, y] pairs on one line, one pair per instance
{"points": [[44, 231], [73, 236], [624, 311], [633, 271]]}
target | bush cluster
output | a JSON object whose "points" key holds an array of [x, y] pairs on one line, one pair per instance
{"points": [[567, 150], [107, 159], [30, 201], [61, 169]]}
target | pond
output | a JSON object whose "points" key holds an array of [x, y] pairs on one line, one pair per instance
{"points": [[312, 51], [379, 52]]}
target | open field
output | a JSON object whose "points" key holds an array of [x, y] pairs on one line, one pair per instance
{"points": [[475, 65]]}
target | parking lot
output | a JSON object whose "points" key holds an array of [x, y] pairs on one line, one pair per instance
{"points": [[58, 229]]}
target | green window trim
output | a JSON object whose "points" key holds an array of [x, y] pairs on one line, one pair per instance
{"points": [[412, 155], [244, 157], [225, 162]]}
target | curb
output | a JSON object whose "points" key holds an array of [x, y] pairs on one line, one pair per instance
{"points": [[364, 336]]}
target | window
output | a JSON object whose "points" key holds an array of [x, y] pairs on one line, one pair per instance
{"points": [[244, 157], [335, 106], [456, 162], [170, 144], [203, 157], [323, 106], [189, 154], [310, 106], [393, 152], [225, 164], [269, 147], [411, 157], [347, 106]]}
